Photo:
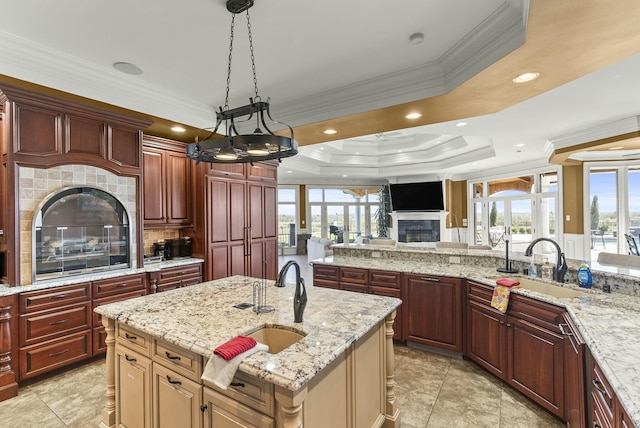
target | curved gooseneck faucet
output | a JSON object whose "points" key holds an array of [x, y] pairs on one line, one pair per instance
{"points": [[300, 295], [561, 264]]}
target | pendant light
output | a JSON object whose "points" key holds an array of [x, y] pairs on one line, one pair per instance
{"points": [[260, 145]]}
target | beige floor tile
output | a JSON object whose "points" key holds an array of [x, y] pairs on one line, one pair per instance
{"points": [[27, 411], [517, 411]]}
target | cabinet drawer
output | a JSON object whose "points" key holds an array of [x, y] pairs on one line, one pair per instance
{"points": [[250, 391], [133, 339], [97, 318], [600, 417], [53, 323], [540, 313], [325, 283], [114, 286], [354, 276], [358, 288], [382, 278], [188, 364], [226, 412], [99, 336], [602, 391], [32, 301], [325, 272], [44, 357], [178, 273], [479, 292]]}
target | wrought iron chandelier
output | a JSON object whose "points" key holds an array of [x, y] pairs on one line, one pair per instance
{"points": [[241, 148]]}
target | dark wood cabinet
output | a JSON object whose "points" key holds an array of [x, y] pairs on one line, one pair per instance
{"points": [[574, 375], [325, 276], [524, 347], [433, 310], [166, 175], [486, 338], [54, 328], [353, 279], [175, 277], [241, 212], [387, 283]]}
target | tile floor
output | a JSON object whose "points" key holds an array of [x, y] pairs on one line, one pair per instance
{"points": [[432, 390]]}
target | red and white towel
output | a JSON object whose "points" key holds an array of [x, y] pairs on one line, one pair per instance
{"points": [[226, 358]]}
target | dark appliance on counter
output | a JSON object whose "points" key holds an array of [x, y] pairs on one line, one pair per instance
{"points": [[178, 248], [160, 249]]}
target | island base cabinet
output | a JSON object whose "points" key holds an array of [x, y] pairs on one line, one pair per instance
{"points": [[176, 400], [223, 412], [133, 389]]}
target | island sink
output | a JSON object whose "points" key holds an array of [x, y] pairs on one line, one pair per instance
{"points": [[277, 338]]}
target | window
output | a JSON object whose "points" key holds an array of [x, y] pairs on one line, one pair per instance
{"points": [[515, 209], [612, 213], [343, 213], [287, 208]]}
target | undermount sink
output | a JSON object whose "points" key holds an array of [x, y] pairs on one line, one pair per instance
{"points": [[548, 289], [276, 338]]}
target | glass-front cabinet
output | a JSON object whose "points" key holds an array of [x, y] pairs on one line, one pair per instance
{"points": [[79, 230]]}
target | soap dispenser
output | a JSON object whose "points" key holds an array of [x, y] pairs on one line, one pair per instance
{"points": [[584, 276]]}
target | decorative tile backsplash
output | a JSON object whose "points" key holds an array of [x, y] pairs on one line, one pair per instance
{"points": [[36, 184], [155, 235]]}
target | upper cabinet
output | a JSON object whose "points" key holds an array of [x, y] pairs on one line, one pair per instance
{"points": [[165, 172]]}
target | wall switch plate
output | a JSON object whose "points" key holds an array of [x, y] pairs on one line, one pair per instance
{"points": [[454, 259], [568, 217], [375, 254]]}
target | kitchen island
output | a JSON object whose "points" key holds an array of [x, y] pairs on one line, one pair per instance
{"points": [[339, 374]]}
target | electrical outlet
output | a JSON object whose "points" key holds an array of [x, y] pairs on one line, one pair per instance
{"points": [[454, 260], [375, 254]]}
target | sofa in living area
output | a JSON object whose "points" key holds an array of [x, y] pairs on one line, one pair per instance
{"points": [[318, 248]]}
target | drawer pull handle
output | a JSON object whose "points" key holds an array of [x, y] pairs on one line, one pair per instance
{"points": [[239, 384], [563, 331], [426, 278], [596, 425], [58, 322], [172, 357], [130, 336], [55, 354], [124, 284], [173, 382], [598, 385], [128, 358], [58, 296]]}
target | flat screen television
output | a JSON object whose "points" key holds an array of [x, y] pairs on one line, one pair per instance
{"points": [[426, 196]]}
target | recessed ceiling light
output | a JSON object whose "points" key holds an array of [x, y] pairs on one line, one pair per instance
{"points": [[344, 175], [616, 148], [289, 172], [413, 115], [321, 148], [127, 67], [330, 131], [178, 129], [459, 124], [474, 164], [520, 145], [526, 77], [357, 153]]}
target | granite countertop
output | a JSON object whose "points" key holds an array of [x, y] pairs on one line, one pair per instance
{"points": [[6, 290], [201, 317], [608, 322]]}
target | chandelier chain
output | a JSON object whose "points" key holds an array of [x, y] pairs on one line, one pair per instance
{"points": [[253, 59], [226, 98]]}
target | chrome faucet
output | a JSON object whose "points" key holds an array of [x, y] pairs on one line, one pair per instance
{"points": [[300, 295], [561, 264]]}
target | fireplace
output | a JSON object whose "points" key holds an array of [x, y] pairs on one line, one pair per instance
{"points": [[80, 230], [418, 228]]}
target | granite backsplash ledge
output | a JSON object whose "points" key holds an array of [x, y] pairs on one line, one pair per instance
{"points": [[617, 279]]}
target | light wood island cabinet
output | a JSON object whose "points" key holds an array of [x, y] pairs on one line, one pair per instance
{"points": [[339, 376]]}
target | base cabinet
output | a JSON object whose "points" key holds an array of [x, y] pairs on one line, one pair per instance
{"points": [[433, 311], [526, 351], [133, 389], [224, 412], [176, 399]]}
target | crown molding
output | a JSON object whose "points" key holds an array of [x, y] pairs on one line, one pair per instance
{"points": [[599, 132]]}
